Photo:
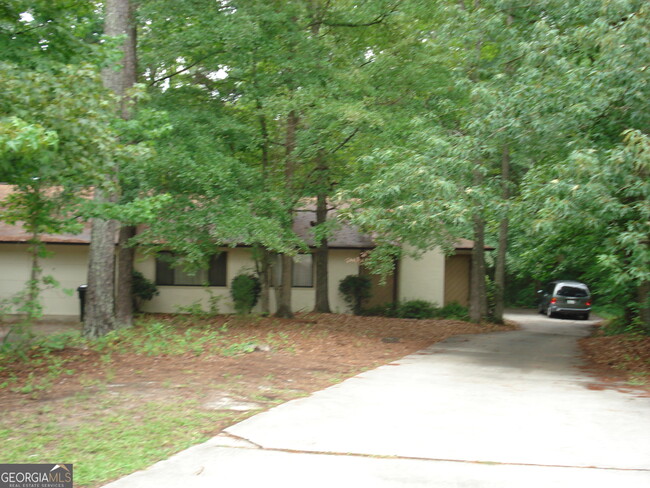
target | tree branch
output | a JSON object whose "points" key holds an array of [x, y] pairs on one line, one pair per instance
{"points": [[345, 141], [378, 20], [186, 68], [25, 31]]}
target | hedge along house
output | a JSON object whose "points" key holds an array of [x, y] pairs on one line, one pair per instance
{"points": [[434, 277]]}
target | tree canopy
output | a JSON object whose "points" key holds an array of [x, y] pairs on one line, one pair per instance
{"points": [[524, 126]]}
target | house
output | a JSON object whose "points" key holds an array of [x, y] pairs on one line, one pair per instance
{"points": [[434, 277]]}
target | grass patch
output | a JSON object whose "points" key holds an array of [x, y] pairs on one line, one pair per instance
{"points": [[106, 443]]}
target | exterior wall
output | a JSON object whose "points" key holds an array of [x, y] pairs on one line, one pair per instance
{"points": [[342, 263], [422, 278], [171, 298], [68, 265], [457, 269], [426, 278]]}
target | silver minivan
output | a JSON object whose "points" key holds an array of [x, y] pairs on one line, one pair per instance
{"points": [[565, 297]]}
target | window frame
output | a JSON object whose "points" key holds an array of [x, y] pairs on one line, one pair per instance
{"points": [[216, 272], [277, 271]]}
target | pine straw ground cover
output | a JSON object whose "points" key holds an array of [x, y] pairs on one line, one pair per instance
{"points": [[621, 361], [121, 403]]}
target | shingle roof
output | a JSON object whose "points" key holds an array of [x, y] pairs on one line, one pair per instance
{"points": [[16, 233], [344, 236]]}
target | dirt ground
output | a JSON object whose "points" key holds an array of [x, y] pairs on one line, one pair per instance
{"points": [[293, 358], [621, 362]]}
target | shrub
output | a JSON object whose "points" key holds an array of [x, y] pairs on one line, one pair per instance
{"points": [[355, 289], [385, 310], [620, 325], [419, 309], [245, 290], [453, 310], [416, 309], [143, 290]]}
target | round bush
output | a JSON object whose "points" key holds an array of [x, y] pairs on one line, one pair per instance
{"points": [[416, 309], [245, 290]]}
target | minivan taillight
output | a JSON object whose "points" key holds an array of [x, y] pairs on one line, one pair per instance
{"points": [[553, 300], [588, 303]]}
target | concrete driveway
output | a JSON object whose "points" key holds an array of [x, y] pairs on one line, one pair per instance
{"points": [[499, 410]]}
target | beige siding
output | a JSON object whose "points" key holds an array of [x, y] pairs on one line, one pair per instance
{"points": [[422, 278], [171, 298], [342, 263], [67, 264], [432, 277]]}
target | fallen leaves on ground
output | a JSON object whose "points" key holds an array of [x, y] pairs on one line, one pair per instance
{"points": [[619, 358]]}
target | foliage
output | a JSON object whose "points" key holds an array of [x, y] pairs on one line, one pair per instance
{"points": [[618, 325], [197, 311], [56, 126], [384, 310], [404, 109], [415, 309], [453, 310], [27, 306], [245, 290], [152, 338], [601, 196], [419, 309], [143, 289], [37, 33], [58, 130], [355, 289]]}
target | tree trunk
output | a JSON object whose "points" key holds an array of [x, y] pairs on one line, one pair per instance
{"points": [[502, 247], [120, 22], [322, 303], [321, 299], [125, 24], [33, 306], [99, 317], [478, 292], [124, 285], [284, 304], [100, 307], [284, 309], [263, 269]]}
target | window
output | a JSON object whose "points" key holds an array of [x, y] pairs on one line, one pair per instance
{"points": [[303, 274], [303, 271], [215, 275], [572, 291]]}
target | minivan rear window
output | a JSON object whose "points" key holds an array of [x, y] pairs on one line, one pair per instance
{"points": [[572, 291]]}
